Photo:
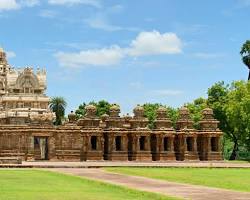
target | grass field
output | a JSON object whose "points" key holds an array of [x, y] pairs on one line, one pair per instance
{"points": [[234, 179], [42, 185]]}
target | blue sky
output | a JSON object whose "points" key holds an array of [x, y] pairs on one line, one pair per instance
{"points": [[128, 51]]}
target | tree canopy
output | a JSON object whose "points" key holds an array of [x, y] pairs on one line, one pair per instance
{"points": [[245, 53], [101, 106]]}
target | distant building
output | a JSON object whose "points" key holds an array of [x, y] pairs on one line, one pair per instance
{"points": [[22, 93]]}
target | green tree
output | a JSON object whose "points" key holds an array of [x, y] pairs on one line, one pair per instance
{"points": [[231, 106], [150, 112], [245, 53], [58, 105], [101, 106], [195, 109]]}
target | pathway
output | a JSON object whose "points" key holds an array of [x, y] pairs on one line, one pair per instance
{"points": [[185, 191]]}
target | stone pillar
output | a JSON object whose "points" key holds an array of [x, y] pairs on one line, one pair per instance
{"points": [[184, 138], [52, 148], [209, 144], [147, 143], [30, 155], [171, 146], [219, 144]]}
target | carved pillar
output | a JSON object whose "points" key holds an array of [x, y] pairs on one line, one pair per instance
{"points": [[219, 143], [209, 144], [184, 139], [30, 155], [171, 146], [52, 147], [147, 143]]}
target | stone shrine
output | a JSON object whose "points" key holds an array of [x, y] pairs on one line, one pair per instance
{"points": [[27, 130]]}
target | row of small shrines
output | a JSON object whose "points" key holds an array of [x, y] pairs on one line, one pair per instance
{"points": [[115, 138]]}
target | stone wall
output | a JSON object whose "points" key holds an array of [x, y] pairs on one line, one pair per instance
{"points": [[114, 138]]}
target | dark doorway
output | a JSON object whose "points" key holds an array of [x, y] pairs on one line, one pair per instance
{"points": [[118, 143], [93, 143], [41, 148], [214, 144], [153, 144], [142, 143], [189, 144], [130, 147], [166, 144]]}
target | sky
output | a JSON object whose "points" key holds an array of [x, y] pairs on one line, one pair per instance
{"points": [[127, 52]]}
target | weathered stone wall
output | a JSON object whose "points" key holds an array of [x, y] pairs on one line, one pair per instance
{"points": [[114, 138]]}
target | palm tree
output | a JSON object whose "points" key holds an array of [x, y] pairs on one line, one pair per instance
{"points": [[58, 105], [245, 53]]}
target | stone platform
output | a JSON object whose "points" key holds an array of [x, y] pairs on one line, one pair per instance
{"points": [[10, 160], [100, 164]]}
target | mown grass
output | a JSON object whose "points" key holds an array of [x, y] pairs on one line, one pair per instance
{"points": [[233, 179], [43, 185]]}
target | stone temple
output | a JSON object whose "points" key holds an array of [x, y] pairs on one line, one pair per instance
{"points": [[27, 130]]}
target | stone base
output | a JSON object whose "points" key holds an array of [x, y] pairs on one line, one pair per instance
{"points": [[141, 156], [168, 155], [187, 155], [118, 156], [214, 156], [10, 160], [93, 155], [191, 155]]}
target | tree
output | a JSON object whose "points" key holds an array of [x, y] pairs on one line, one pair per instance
{"points": [[231, 106], [195, 109], [101, 106], [150, 112], [245, 53], [58, 105]]}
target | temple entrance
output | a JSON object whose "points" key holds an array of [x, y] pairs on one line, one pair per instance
{"points": [[41, 148]]}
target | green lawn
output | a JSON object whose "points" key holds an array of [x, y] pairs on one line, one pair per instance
{"points": [[234, 179], [42, 185]]}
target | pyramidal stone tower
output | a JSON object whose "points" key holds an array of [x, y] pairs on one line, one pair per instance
{"points": [[22, 93]]}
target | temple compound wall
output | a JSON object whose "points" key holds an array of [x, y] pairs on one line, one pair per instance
{"points": [[114, 138], [27, 130]]}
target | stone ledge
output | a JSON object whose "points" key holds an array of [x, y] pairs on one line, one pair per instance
{"points": [[10, 160]]}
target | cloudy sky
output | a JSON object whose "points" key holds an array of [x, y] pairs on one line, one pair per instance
{"points": [[127, 51]]}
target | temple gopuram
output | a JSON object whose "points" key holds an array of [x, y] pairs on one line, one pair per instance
{"points": [[27, 130]]}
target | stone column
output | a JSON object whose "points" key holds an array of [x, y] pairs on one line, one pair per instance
{"points": [[147, 143], [171, 147], [52, 148], [184, 138], [194, 143], [30, 155], [209, 144], [219, 144]]}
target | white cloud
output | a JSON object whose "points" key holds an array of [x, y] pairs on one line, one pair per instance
{"points": [[96, 57], [146, 43], [8, 5], [94, 3], [10, 54], [155, 43], [166, 92]]}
